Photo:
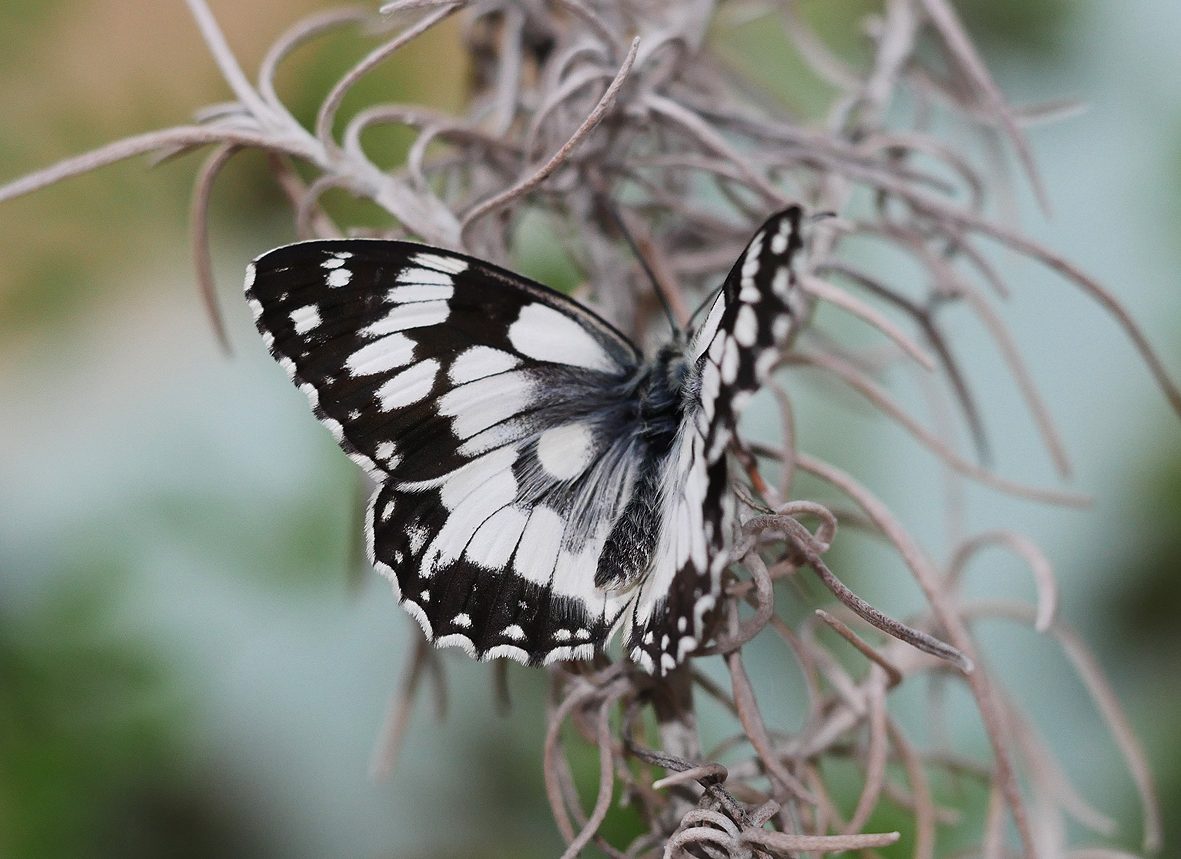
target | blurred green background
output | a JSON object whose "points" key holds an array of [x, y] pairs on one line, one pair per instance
{"points": [[191, 660]]}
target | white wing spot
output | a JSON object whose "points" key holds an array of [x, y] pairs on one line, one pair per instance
{"points": [[470, 501], [380, 356], [750, 263], [538, 552], [455, 639], [419, 292], [779, 242], [514, 632], [508, 651], [780, 283], [716, 348], [477, 362], [339, 277], [746, 326], [418, 314], [479, 476], [385, 450], [711, 384], [573, 574], [425, 277], [332, 262], [705, 334], [565, 451], [494, 541], [545, 334], [451, 265], [730, 362], [305, 318], [409, 386], [417, 535], [765, 362], [462, 620], [480, 404], [334, 427]]}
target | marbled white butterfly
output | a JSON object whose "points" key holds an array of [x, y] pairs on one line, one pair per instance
{"points": [[539, 484]]}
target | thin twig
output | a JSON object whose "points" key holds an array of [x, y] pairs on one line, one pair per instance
{"points": [[556, 160]]}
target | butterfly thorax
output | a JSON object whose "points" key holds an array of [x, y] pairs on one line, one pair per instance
{"points": [[659, 413], [661, 398]]}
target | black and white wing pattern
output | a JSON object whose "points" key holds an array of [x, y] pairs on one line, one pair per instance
{"points": [[539, 484], [729, 357]]}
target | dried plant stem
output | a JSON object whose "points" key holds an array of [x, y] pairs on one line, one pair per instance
{"points": [[555, 161], [691, 155]]}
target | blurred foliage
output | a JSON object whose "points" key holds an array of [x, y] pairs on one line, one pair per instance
{"points": [[52, 114], [1033, 28], [91, 761], [540, 253], [1150, 591], [28, 14], [311, 540], [757, 44], [759, 48], [1143, 629]]}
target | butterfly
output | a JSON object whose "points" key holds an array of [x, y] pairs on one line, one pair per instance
{"points": [[539, 484]]}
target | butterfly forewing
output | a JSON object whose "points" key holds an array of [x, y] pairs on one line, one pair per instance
{"points": [[516, 439]]}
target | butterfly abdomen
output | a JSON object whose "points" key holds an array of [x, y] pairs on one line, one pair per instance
{"points": [[627, 554]]}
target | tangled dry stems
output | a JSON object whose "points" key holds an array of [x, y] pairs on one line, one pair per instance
{"points": [[575, 101]]}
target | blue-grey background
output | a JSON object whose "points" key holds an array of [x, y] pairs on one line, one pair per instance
{"points": [[191, 659]]}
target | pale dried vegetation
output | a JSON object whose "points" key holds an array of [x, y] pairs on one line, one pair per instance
{"points": [[578, 101]]}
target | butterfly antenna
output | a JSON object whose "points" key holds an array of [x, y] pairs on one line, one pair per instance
{"points": [[657, 285]]}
